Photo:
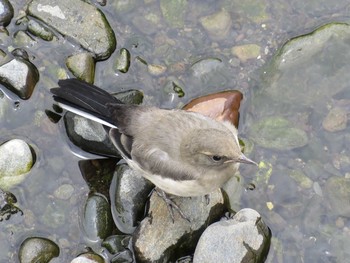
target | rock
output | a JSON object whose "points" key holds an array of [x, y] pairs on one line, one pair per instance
{"points": [[278, 133], [122, 63], [82, 66], [338, 193], [90, 29], [246, 52], [120, 247], [156, 69], [206, 66], [7, 205], [174, 11], [222, 106], [97, 219], [218, 25], [20, 76], [131, 96], [243, 239], [40, 31], [302, 180], [159, 239], [21, 38], [16, 160], [89, 135], [89, 257], [128, 194], [336, 120], [37, 249], [6, 13], [64, 191]]}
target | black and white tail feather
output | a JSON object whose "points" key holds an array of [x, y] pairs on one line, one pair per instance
{"points": [[93, 103]]}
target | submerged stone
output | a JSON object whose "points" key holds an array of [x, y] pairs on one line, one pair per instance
{"points": [[174, 11], [218, 25], [82, 66], [278, 133], [40, 31], [90, 28], [37, 249]]}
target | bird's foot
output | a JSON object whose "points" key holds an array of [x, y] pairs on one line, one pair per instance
{"points": [[171, 205]]}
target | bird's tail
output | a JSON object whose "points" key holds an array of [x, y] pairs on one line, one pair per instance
{"points": [[84, 99]]}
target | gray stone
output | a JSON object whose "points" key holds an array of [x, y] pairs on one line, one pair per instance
{"points": [[242, 239], [218, 25], [82, 66], [338, 194], [20, 76], [159, 239], [79, 21], [37, 249], [128, 194], [16, 160], [6, 12]]}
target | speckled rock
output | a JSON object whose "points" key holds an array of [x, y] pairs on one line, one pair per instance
{"points": [[82, 66], [243, 239], [336, 120], [217, 25], [37, 249]]}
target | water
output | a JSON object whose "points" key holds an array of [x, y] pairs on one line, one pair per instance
{"points": [[304, 228]]}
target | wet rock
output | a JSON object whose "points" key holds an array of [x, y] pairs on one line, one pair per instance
{"points": [[243, 239], [89, 135], [218, 25], [129, 192], [246, 52], [82, 66], [64, 192], [132, 96], [174, 11], [255, 10], [97, 219], [336, 120], [20, 76], [7, 205], [302, 180], [40, 31], [22, 39], [301, 62], [16, 160], [120, 247], [122, 63], [62, 17], [278, 133], [6, 12], [222, 106], [206, 66], [156, 69], [37, 249], [338, 193], [159, 239], [148, 24], [89, 257]]}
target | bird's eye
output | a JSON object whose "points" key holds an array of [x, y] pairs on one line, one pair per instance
{"points": [[216, 158]]}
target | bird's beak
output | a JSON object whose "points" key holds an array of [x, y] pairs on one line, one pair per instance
{"points": [[244, 159]]}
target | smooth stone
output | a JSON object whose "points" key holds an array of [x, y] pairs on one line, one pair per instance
{"points": [[218, 25], [159, 239], [302, 180], [243, 239], [97, 219], [205, 66], [122, 63], [37, 249], [90, 29], [174, 12], [278, 133], [20, 76], [338, 194], [128, 194], [6, 13], [16, 160], [117, 243], [89, 135], [64, 191], [22, 38], [222, 106], [82, 66], [336, 120], [40, 31], [246, 52], [88, 258], [131, 96]]}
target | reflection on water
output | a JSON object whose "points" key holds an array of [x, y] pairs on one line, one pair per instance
{"points": [[301, 189]]}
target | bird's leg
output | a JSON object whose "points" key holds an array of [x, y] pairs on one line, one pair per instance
{"points": [[170, 205]]}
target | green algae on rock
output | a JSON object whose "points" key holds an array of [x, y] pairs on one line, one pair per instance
{"points": [[278, 133]]}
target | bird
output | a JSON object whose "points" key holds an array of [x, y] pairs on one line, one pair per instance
{"points": [[182, 153]]}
